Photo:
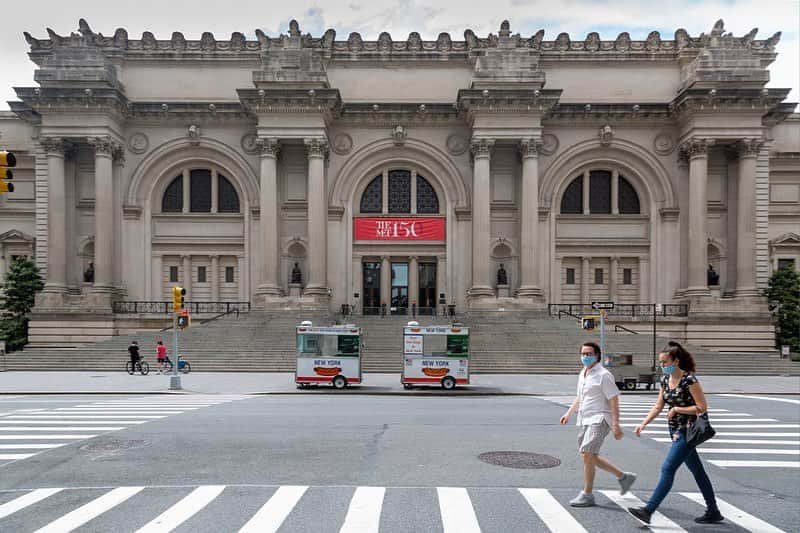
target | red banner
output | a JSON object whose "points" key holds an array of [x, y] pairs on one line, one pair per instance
{"points": [[399, 229]]}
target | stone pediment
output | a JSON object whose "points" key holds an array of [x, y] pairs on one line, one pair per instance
{"points": [[15, 236], [786, 239]]}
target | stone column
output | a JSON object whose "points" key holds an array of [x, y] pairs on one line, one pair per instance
{"points": [[157, 279], [119, 166], [441, 278], [644, 280], [612, 278], [481, 221], [214, 191], [55, 149], [615, 192], [104, 148], [586, 295], [413, 281], [746, 218], [317, 149], [697, 152], [586, 187], [386, 281], [529, 218], [215, 278], [555, 297], [187, 275], [187, 189], [268, 218]]}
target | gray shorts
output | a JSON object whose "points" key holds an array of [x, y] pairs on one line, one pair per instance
{"points": [[591, 437]]}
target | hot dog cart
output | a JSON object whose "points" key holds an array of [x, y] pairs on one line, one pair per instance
{"points": [[435, 354], [329, 354]]}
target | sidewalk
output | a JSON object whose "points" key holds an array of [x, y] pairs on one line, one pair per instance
{"points": [[283, 383]]}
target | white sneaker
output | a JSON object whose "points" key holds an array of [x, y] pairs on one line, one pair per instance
{"points": [[582, 500]]}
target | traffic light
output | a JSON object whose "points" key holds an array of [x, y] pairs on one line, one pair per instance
{"points": [[177, 298], [588, 323], [184, 321], [7, 159]]}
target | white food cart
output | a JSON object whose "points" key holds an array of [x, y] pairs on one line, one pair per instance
{"points": [[329, 354], [435, 354]]}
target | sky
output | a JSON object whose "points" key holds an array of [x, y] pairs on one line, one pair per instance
{"points": [[399, 18]]}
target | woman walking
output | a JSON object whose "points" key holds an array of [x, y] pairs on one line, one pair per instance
{"points": [[681, 390]]}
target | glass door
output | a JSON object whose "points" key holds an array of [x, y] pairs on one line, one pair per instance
{"points": [[426, 299], [399, 302], [371, 289]]}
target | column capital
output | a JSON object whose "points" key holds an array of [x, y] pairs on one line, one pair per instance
{"points": [[481, 148], [119, 155], [695, 147], [749, 147], [213, 256], [585, 258], [529, 148], [103, 145], [268, 146], [55, 145], [316, 147]]}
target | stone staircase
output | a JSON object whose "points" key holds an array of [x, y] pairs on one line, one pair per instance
{"points": [[504, 343]]}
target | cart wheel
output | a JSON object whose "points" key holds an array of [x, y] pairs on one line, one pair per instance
{"points": [[620, 385], [407, 386], [630, 385], [186, 368], [448, 383], [339, 382]]}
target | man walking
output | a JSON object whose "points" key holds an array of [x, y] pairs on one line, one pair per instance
{"points": [[597, 404], [161, 355]]}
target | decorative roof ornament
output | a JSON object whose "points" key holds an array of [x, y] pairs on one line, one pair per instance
{"points": [[606, 135], [399, 134]]}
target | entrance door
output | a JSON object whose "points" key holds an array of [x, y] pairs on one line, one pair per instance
{"points": [[426, 299], [371, 274], [399, 302]]}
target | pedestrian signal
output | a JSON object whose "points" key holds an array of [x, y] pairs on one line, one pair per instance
{"points": [[178, 294], [588, 323], [7, 159], [184, 321]]}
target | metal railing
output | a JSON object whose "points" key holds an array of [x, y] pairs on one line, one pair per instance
{"points": [[143, 307], [617, 328], [622, 310]]}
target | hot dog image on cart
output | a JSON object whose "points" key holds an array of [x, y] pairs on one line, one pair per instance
{"points": [[435, 355], [328, 355]]}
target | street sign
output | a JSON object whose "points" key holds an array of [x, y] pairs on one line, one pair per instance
{"points": [[602, 305]]}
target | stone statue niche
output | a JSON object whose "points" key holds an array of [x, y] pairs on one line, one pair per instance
{"points": [[712, 276], [88, 274], [502, 276], [297, 275]]}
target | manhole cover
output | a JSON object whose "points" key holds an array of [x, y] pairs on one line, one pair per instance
{"points": [[519, 459], [113, 445]]}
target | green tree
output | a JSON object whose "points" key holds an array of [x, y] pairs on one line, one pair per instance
{"points": [[21, 285], [783, 294]]}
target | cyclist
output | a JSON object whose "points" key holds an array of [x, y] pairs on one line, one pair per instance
{"points": [[161, 354], [133, 350]]}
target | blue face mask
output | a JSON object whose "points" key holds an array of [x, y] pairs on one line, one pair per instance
{"points": [[588, 360], [668, 369]]}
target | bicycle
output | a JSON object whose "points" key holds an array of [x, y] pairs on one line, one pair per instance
{"points": [[183, 366], [141, 366]]}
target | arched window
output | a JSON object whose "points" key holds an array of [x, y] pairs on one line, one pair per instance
{"points": [[572, 201], [172, 202], [600, 195], [226, 194], [399, 191], [372, 198], [427, 201], [200, 197], [628, 199]]}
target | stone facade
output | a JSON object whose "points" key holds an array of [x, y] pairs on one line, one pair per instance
{"points": [[592, 170]]}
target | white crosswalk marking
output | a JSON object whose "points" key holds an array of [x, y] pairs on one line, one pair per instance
{"points": [[15, 456], [736, 515], [458, 516], [94, 508], [364, 513], [183, 510], [26, 500], [551, 512], [45, 437], [749, 451], [28, 446], [715, 441], [272, 514], [755, 464], [658, 522]]}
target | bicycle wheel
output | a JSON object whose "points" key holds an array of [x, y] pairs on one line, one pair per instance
{"points": [[129, 367], [185, 367], [167, 366], [144, 368]]}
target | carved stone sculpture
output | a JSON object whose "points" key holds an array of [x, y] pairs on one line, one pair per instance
{"points": [[88, 274], [713, 276], [297, 276], [502, 276]]}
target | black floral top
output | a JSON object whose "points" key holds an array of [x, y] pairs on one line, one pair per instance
{"points": [[680, 396]]}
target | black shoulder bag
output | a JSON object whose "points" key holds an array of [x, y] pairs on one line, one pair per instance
{"points": [[699, 431]]}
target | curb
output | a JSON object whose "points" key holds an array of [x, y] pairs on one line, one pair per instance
{"points": [[353, 392]]}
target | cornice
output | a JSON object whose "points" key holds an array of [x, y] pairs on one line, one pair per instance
{"points": [[391, 114], [501, 101], [291, 100], [41, 100], [731, 100]]}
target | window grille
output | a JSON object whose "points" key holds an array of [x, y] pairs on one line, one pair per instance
{"points": [[572, 201], [172, 202], [200, 196], [399, 191], [226, 196], [600, 192], [427, 201], [372, 197], [570, 276]]}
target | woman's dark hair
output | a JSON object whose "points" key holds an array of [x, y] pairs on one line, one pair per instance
{"points": [[595, 347], [680, 354]]}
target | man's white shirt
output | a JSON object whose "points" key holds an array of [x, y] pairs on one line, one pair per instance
{"points": [[594, 392]]}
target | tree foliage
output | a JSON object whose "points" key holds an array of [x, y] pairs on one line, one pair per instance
{"points": [[22, 283], [783, 294]]}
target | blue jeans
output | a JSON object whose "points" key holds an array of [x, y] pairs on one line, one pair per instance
{"points": [[680, 453]]}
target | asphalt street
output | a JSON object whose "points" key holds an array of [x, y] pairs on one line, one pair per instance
{"points": [[369, 463]]}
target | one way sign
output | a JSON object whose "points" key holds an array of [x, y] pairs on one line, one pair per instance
{"points": [[602, 305]]}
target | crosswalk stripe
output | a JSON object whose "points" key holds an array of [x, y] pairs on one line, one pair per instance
{"points": [[183, 510], [737, 441], [785, 400], [121, 410], [15, 456], [63, 428], [734, 433], [87, 512], [736, 515], [364, 513], [458, 515], [746, 451], [27, 446], [25, 500], [658, 522], [552, 513], [60, 416], [45, 437], [75, 422], [739, 426], [272, 514], [755, 464], [723, 420]]}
